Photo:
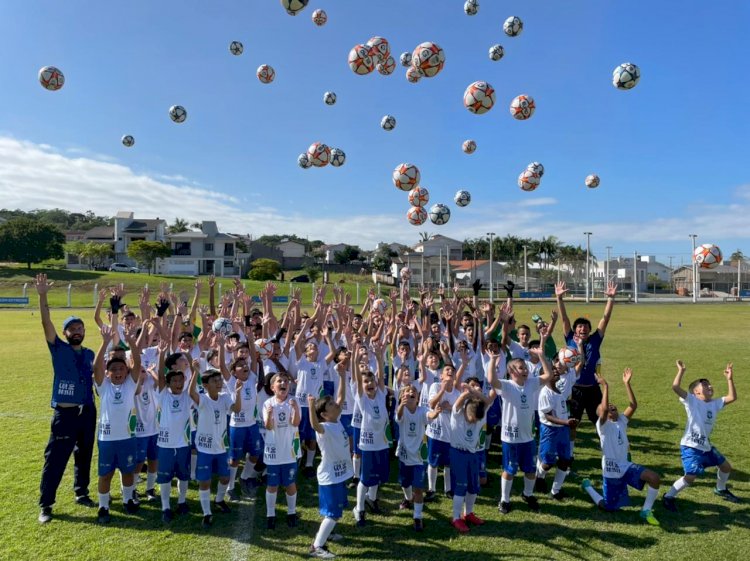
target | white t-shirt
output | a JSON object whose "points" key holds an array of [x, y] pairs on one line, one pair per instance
{"points": [[372, 433], [464, 435], [471, 365], [412, 443], [430, 377], [553, 403], [701, 418], [440, 427], [282, 442], [145, 409], [270, 366], [310, 376], [117, 418], [261, 398], [347, 408], [517, 351], [336, 465], [211, 435], [501, 366], [247, 416], [613, 438], [519, 404], [535, 369], [174, 419], [356, 411]]}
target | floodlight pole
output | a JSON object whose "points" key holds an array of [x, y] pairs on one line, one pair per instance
{"points": [[695, 269], [588, 273], [491, 235], [635, 277], [609, 248], [525, 270]]}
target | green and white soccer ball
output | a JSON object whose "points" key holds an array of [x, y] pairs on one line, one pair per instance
{"points": [[293, 7], [128, 140], [303, 161], [329, 98], [536, 167], [462, 198], [177, 113], [496, 52], [471, 7], [236, 48]]}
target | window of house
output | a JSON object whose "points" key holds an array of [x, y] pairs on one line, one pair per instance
{"points": [[228, 264], [228, 250], [208, 247], [182, 248]]}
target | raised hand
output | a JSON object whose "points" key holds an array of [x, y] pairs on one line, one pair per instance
{"points": [[627, 375], [681, 366], [611, 289], [560, 288], [106, 332], [600, 380], [211, 281], [729, 371]]}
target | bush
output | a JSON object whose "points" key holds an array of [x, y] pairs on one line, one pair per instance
{"points": [[264, 269], [312, 273]]}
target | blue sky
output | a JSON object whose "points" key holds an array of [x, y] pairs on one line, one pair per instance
{"points": [[668, 152]]}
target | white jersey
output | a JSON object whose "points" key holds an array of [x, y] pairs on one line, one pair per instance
{"points": [[149, 357], [430, 377], [211, 435], [412, 443], [336, 463], [356, 411], [566, 382], [247, 415], [613, 438], [310, 376], [701, 417], [440, 427], [517, 351], [535, 368], [145, 409], [281, 442], [261, 398], [347, 408], [519, 404], [372, 433], [174, 419], [470, 371], [117, 418], [269, 366], [553, 403], [501, 366], [464, 435]]}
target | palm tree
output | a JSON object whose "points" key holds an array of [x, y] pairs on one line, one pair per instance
{"points": [[736, 257], [179, 225], [424, 236]]}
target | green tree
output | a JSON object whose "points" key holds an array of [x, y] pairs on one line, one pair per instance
{"points": [[382, 258], [736, 257], [264, 269], [145, 253], [96, 253], [179, 225], [347, 255], [313, 273], [25, 240]]}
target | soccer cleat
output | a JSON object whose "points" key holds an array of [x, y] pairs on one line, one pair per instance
{"points": [[222, 506], [373, 506], [85, 500], [131, 507], [504, 507], [540, 485], [727, 495], [136, 497], [207, 521], [560, 495], [150, 495], [353, 483], [320, 552], [531, 501], [45, 515], [430, 496], [102, 515], [449, 495], [235, 495], [649, 517], [182, 508], [405, 504], [167, 516], [308, 472], [270, 523], [291, 520], [585, 484], [472, 518], [418, 525], [460, 525], [359, 517], [669, 503]]}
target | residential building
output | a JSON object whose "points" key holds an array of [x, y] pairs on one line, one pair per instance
{"points": [[128, 229], [290, 248], [205, 252], [723, 278], [438, 245]]}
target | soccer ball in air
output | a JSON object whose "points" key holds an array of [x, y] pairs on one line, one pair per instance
{"points": [[569, 356], [338, 157], [379, 49], [319, 154], [266, 73], [496, 52], [429, 58], [264, 348], [626, 76], [536, 167], [303, 161], [707, 256], [439, 214], [236, 48], [128, 140], [379, 305], [592, 181], [522, 107], [513, 26], [469, 146], [462, 198], [406, 177], [528, 180], [51, 78], [416, 215], [360, 60], [293, 7], [388, 123], [414, 75], [319, 17], [177, 113], [419, 196], [329, 98], [471, 7], [479, 97], [405, 59], [223, 326], [387, 67]]}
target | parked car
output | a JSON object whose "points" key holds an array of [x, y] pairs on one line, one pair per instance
{"points": [[301, 278], [123, 268]]}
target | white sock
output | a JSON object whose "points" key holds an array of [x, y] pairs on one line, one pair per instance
{"points": [[651, 494], [127, 493], [431, 478], [446, 479], [150, 481], [528, 486], [596, 497], [309, 457], [326, 527], [677, 486], [357, 465], [505, 487], [182, 486], [193, 465], [458, 504], [221, 491], [407, 492], [418, 510], [471, 498], [232, 477], [205, 498], [164, 490], [291, 504], [361, 492], [541, 473], [104, 500], [559, 480], [721, 480], [372, 492], [270, 503]]}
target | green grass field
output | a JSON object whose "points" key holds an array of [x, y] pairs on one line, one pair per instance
{"points": [[647, 338]]}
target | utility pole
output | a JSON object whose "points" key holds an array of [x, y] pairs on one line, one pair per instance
{"points": [[588, 262], [491, 235], [695, 269]]}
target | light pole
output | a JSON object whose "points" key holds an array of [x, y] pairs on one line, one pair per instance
{"points": [[635, 277], [695, 269], [491, 235], [588, 275], [525, 270], [606, 281]]}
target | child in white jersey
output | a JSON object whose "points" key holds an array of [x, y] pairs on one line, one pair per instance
{"points": [[336, 463], [617, 470], [696, 449]]}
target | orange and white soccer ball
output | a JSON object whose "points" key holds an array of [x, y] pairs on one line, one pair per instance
{"points": [[406, 177], [360, 60], [387, 67], [707, 256], [429, 58], [592, 181], [51, 78], [379, 305], [265, 73], [319, 17], [416, 215], [419, 196], [569, 356], [380, 50], [529, 180], [264, 348], [414, 75], [319, 154], [479, 97], [469, 146], [522, 107]]}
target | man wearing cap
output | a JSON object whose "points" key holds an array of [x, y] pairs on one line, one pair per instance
{"points": [[74, 419]]}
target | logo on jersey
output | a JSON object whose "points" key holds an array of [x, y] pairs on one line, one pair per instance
{"points": [[282, 416], [175, 403], [469, 433], [376, 411], [709, 415], [412, 427], [523, 398]]}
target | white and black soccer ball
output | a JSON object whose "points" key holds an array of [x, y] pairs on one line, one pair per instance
{"points": [[513, 26], [592, 181], [405, 59], [223, 326], [537, 168], [177, 113], [471, 7], [469, 146], [303, 161], [293, 7], [388, 123], [128, 140], [439, 214], [496, 52], [462, 198], [329, 98], [626, 76], [236, 48], [51, 78], [338, 157]]}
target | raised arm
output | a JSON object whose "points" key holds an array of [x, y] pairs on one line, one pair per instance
{"points": [[604, 405], [632, 403], [731, 396], [193, 389], [560, 290], [101, 297], [237, 403], [42, 287], [610, 292], [314, 423], [677, 382], [539, 351], [135, 355], [101, 353], [163, 349]]}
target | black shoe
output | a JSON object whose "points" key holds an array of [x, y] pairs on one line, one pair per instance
{"points": [[669, 503], [503, 507], [102, 516], [234, 494], [353, 483], [540, 485], [430, 497], [531, 501], [727, 495], [45, 515], [208, 521], [136, 497], [559, 496], [449, 494], [182, 508], [291, 520], [85, 500], [418, 525], [373, 506], [131, 507], [151, 495], [359, 516], [406, 504], [223, 507], [271, 523], [308, 472], [167, 516]]}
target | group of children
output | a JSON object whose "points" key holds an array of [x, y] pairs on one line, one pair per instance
{"points": [[253, 396]]}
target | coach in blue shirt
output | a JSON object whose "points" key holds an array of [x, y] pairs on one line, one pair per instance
{"points": [[74, 419]]}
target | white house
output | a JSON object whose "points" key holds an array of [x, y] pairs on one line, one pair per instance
{"points": [[441, 245], [205, 252], [331, 250], [128, 229], [291, 248]]}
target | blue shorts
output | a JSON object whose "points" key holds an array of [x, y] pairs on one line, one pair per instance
{"points": [[281, 475], [173, 462], [244, 440], [494, 413], [464, 472], [376, 468], [346, 421], [616, 490], [117, 454], [332, 500], [355, 437], [412, 476], [695, 461], [208, 464], [146, 448], [438, 452], [306, 432], [554, 444], [519, 456]]}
